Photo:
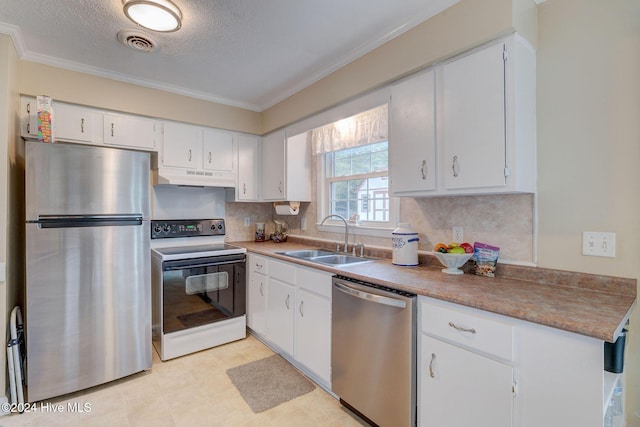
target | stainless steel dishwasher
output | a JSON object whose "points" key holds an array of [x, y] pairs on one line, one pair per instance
{"points": [[373, 351]]}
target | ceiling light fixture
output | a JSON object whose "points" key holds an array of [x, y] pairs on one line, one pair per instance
{"points": [[156, 15]]}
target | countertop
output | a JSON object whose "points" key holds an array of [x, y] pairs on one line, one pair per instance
{"points": [[578, 308]]}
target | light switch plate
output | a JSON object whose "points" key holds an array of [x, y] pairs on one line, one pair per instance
{"points": [[596, 243]]}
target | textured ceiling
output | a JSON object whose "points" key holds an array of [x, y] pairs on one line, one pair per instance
{"points": [[245, 53]]}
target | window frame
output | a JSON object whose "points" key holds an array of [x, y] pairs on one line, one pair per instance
{"points": [[364, 228]]}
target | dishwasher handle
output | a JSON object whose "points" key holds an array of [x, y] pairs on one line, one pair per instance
{"points": [[378, 299]]}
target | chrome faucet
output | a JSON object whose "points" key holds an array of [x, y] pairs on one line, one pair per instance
{"points": [[346, 229]]}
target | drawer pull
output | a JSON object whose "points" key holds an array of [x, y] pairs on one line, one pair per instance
{"points": [[259, 266], [461, 329], [431, 373]]}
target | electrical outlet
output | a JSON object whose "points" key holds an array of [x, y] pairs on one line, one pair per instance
{"points": [[599, 244], [247, 221], [457, 235]]}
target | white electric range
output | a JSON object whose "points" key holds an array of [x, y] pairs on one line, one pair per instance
{"points": [[198, 286]]}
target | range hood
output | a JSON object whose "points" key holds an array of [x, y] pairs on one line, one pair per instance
{"points": [[194, 178]]}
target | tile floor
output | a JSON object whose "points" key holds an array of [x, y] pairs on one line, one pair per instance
{"points": [[193, 390]]}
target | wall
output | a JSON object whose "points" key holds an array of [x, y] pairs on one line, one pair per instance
{"points": [[8, 105], [465, 25], [588, 149], [70, 86]]}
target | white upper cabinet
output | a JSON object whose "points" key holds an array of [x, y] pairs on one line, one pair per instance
{"points": [[273, 166], [286, 167], [74, 123], [466, 126], [182, 145], [29, 127], [218, 150], [193, 155], [412, 135], [130, 131], [486, 127], [473, 117], [71, 123], [248, 168]]}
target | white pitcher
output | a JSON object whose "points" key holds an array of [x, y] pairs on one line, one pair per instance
{"points": [[405, 245]]}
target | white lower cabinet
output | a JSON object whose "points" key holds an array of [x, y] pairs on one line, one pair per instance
{"points": [[482, 369], [256, 294], [280, 300], [465, 372], [296, 320], [461, 388], [313, 322]]}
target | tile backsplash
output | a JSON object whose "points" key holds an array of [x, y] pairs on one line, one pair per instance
{"points": [[506, 221]]}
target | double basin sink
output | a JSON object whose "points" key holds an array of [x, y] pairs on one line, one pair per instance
{"points": [[326, 257]]}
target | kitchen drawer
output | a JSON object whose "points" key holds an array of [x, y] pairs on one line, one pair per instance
{"points": [[318, 282], [467, 327], [258, 264], [282, 271]]}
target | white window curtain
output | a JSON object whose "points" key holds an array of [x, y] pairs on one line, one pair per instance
{"points": [[365, 128]]}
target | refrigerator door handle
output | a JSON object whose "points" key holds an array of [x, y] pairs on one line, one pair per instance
{"points": [[65, 221]]}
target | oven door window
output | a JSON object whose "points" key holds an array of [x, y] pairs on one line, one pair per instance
{"points": [[195, 295], [206, 283]]}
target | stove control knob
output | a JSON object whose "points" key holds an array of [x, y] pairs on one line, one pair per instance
{"points": [[157, 228], [220, 226], [166, 228]]}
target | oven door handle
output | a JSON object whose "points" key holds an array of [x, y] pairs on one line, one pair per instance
{"points": [[168, 266]]}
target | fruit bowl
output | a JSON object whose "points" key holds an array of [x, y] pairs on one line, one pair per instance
{"points": [[452, 261]]}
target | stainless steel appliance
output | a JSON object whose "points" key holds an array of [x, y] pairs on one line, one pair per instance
{"points": [[88, 299], [373, 351], [198, 287]]}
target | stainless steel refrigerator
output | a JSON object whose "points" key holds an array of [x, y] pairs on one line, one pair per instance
{"points": [[87, 296]]}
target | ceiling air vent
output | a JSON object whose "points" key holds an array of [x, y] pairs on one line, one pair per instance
{"points": [[137, 40]]}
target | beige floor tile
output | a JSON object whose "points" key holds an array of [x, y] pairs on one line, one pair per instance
{"points": [[189, 391]]}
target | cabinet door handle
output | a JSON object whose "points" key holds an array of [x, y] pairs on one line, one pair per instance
{"points": [[432, 374], [189, 154], [244, 188], [455, 166], [423, 169], [280, 187], [461, 329], [112, 126], [28, 127], [29, 108], [82, 125], [300, 309], [261, 288], [286, 301], [209, 157]]}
